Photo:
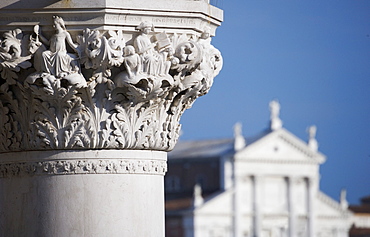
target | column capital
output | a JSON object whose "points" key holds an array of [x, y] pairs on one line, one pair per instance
{"points": [[293, 178], [101, 89], [312, 180]]}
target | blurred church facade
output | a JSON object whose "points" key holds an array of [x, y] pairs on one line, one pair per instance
{"points": [[361, 218], [264, 186]]}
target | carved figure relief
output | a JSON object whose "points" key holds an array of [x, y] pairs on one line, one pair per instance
{"points": [[95, 91], [56, 63], [145, 49]]}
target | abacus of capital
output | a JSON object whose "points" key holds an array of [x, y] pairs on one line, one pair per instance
{"points": [[91, 98]]}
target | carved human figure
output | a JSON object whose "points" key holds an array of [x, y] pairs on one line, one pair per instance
{"points": [[211, 55], [205, 37], [145, 48], [312, 132], [56, 60], [312, 142], [187, 52], [343, 199], [274, 110], [36, 48], [205, 59], [206, 64], [132, 61], [238, 130], [197, 195], [275, 121], [167, 59]]}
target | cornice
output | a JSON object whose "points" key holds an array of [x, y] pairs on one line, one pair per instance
{"points": [[280, 161]]}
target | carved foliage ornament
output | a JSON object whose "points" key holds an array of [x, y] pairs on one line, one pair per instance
{"points": [[96, 91], [89, 166]]}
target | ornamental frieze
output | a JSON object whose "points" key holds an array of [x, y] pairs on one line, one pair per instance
{"points": [[100, 90], [88, 166]]}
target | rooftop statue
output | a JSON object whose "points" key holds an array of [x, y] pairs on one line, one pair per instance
{"points": [[239, 141], [275, 121], [312, 142], [312, 132]]}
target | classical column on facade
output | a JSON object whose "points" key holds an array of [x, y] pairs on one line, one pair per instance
{"points": [[239, 144], [311, 194], [291, 206], [236, 205], [91, 97], [257, 214]]}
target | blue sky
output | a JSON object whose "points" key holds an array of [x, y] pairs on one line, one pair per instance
{"points": [[314, 58]]}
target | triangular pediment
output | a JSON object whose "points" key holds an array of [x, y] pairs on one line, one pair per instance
{"points": [[280, 146]]}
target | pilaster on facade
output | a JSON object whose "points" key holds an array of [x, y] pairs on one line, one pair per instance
{"points": [[257, 205], [312, 188], [307, 222], [291, 205]]}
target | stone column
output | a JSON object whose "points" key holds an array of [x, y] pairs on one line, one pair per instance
{"points": [[236, 201], [311, 194], [82, 193], [91, 97], [257, 218], [291, 206]]}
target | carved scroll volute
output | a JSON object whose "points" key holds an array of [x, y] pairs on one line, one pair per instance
{"points": [[96, 91]]}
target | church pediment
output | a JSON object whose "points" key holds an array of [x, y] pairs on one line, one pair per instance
{"points": [[280, 146]]}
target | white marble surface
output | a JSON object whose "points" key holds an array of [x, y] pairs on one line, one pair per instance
{"points": [[77, 92], [93, 204], [181, 16], [101, 89]]}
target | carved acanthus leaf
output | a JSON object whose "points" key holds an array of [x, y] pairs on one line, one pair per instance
{"points": [[102, 90], [12, 57]]}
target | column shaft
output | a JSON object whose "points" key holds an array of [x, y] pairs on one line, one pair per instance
{"points": [[257, 225], [311, 193], [120, 193], [291, 208]]}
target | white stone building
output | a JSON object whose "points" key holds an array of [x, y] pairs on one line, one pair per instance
{"points": [[266, 186]]}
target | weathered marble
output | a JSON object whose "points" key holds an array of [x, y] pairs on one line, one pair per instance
{"points": [[100, 90], [182, 16], [82, 193], [91, 95]]}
